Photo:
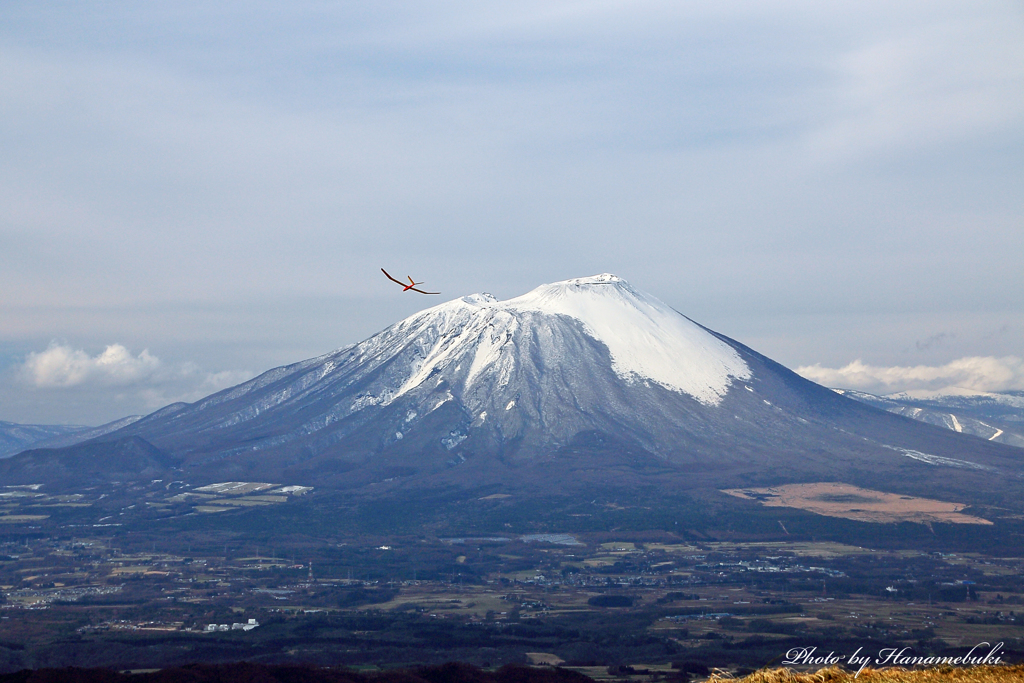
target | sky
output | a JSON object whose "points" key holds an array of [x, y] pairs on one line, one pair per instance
{"points": [[193, 193]]}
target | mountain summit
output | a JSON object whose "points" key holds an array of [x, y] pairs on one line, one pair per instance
{"points": [[646, 340], [587, 379]]}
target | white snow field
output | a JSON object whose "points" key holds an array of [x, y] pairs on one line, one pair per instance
{"points": [[647, 340]]}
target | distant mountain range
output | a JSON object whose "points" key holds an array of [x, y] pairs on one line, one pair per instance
{"points": [[586, 382], [15, 438], [994, 417]]}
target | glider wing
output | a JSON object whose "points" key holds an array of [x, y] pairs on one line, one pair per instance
{"points": [[391, 278]]}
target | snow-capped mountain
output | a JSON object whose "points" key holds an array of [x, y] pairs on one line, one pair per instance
{"points": [[995, 417], [585, 379]]}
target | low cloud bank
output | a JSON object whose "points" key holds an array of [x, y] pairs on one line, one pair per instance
{"points": [[970, 375], [116, 376]]}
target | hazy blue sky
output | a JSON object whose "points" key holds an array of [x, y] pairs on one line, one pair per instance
{"points": [[195, 192]]}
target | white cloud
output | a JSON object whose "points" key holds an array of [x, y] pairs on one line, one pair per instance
{"points": [[64, 366], [974, 374], [116, 382]]}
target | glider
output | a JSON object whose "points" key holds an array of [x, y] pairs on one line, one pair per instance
{"points": [[407, 287]]}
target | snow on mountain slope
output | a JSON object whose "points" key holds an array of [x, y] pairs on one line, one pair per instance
{"points": [[476, 346], [646, 338]]}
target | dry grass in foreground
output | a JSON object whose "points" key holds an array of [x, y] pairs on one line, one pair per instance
{"points": [[977, 674]]}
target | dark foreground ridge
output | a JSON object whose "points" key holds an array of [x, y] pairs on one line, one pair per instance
{"points": [[263, 673]]}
